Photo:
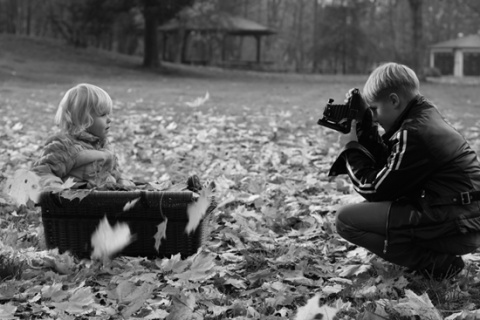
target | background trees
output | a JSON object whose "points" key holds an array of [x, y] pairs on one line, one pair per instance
{"points": [[328, 36]]}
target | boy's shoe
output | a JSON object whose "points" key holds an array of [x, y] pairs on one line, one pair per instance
{"points": [[446, 273]]}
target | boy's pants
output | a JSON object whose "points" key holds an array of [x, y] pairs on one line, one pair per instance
{"points": [[365, 224]]}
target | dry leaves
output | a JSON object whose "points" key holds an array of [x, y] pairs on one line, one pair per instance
{"points": [[107, 240], [160, 234], [23, 186], [273, 244]]}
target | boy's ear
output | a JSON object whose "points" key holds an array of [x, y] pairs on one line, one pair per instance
{"points": [[394, 100]]}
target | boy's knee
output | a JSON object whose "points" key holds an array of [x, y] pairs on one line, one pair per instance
{"points": [[346, 219], [341, 217]]}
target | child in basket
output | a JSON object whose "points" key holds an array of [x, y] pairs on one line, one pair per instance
{"points": [[421, 180], [81, 151]]}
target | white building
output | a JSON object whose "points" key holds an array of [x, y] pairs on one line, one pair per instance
{"points": [[459, 57]]}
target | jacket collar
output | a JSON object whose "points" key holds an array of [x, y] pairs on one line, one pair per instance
{"points": [[396, 126], [88, 137]]}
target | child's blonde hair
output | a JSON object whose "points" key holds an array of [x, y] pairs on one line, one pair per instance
{"points": [[390, 78], [75, 110]]}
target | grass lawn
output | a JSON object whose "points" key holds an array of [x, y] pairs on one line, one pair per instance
{"points": [[34, 74], [255, 128]]}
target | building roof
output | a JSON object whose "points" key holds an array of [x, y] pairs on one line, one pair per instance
{"points": [[219, 22], [467, 42]]}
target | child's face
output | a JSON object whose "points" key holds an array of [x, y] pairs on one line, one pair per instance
{"points": [[100, 126], [386, 110]]}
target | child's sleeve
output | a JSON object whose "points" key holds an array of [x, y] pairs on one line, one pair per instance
{"points": [[58, 158]]}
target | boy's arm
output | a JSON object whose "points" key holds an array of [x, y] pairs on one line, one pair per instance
{"points": [[370, 143], [369, 137], [404, 170]]}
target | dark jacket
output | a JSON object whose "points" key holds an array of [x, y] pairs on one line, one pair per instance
{"points": [[422, 160]]}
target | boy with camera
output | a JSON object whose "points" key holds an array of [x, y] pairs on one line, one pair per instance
{"points": [[421, 179]]}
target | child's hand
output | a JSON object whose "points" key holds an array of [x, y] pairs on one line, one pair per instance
{"points": [[88, 156]]}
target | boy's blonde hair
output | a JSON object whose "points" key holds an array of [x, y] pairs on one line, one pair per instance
{"points": [[390, 78], [75, 110]]}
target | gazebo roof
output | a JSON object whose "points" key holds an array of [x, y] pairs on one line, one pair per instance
{"points": [[468, 42], [220, 22]]}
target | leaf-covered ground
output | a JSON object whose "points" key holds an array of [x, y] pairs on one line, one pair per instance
{"points": [[273, 244]]}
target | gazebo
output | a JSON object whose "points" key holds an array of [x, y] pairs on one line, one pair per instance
{"points": [[221, 25], [459, 57]]}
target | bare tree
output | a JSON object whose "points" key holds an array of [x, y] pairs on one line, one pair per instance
{"points": [[417, 38], [157, 12]]}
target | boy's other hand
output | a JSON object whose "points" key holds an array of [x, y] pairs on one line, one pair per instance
{"points": [[351, 136]]}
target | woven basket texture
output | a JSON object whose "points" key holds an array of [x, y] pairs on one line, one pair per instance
{"points": [[69, 224]]}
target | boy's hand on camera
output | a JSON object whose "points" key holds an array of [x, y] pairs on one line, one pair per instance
{"points": [[351, 136], [349, 94]]}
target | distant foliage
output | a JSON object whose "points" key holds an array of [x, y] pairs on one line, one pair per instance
{"points": [[322, 36], [432, 72]]}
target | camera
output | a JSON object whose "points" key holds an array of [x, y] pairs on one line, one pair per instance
{"points": [[339, 116]]}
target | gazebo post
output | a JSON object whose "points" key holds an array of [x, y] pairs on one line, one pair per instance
{"points": [[224, 47], [184, 46], [164, 46], [458, 63], [259, 43]]}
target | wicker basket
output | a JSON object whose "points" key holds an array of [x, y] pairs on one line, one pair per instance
{"points": [[69, 224]]}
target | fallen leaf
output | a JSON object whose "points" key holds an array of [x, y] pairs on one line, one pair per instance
{"points": [[71, 194], [68, 184], [157, 314], [7, 311], [198, 101], [80, 302], [160, 234], [354, 269], [130, 204], [107, 241], [183, 308], [23, 186], [197, 209], [202, 267], [175, 263], [312, 310], [414, 305]]}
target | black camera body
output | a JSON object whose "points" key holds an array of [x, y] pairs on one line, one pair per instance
{"points": [[339, 116]]}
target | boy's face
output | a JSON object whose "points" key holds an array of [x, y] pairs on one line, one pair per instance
{"points": [[386, 110], [100, 126]]}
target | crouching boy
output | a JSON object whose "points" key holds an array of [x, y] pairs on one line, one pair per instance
{"points": [[421, 179]]}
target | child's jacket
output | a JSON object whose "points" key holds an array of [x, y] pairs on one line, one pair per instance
{"points": [[59, 160], [422, 159]]}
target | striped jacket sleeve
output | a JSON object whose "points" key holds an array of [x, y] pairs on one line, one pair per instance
{"points": [[397, 175]]}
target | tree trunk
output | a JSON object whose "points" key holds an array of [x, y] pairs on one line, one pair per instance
{"points": [[417, 38], [315, 37], [11, 17], [150, 55], [29, 17]]}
